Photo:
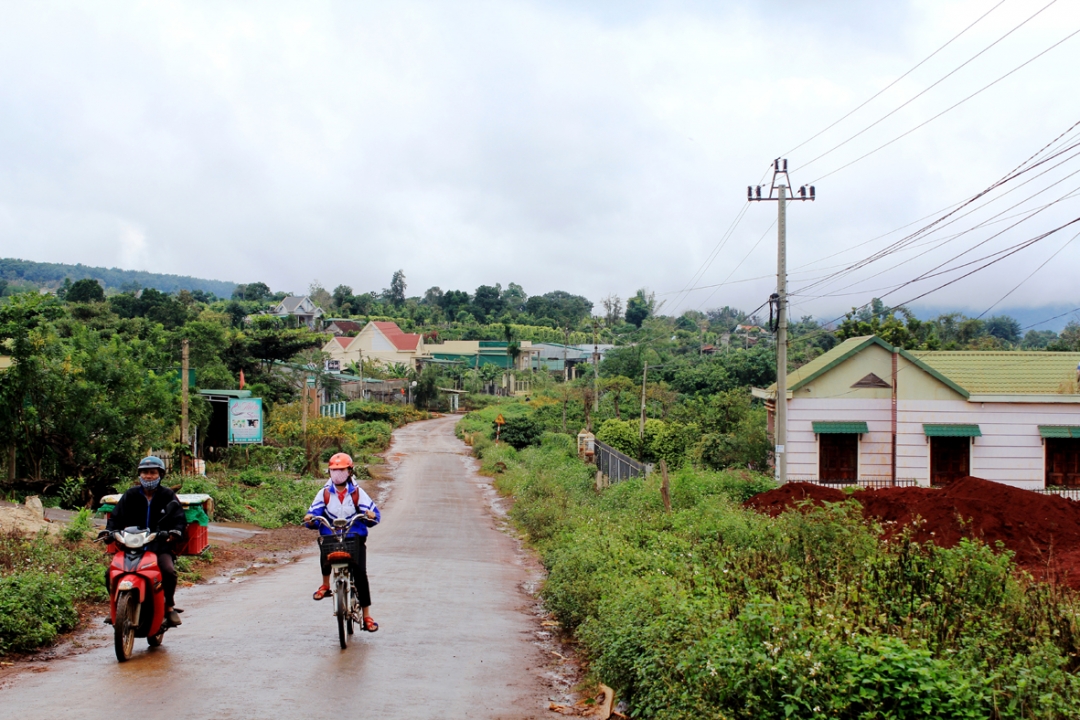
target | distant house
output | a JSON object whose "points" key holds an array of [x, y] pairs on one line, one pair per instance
{"points": [[298, 310], [344, 327], [1010, 417], [383, 342]]}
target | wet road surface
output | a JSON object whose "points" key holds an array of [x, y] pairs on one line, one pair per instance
{"points": [[456, 635]]}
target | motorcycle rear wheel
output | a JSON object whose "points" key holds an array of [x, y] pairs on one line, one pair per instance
{"points": [[124, 627], [341, 596]]}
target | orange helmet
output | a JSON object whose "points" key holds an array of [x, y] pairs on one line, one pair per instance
{"points": [[341, 461]]}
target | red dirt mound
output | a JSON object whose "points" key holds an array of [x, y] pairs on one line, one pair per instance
{"points": [[1042, 530], [790, 495]]}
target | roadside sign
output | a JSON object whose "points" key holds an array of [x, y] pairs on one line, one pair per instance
{"points": [[500, 420], [245, 421]]}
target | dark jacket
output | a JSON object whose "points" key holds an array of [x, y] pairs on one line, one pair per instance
{"points": [[163, 513]]}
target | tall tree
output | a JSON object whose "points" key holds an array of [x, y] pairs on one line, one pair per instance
{"points": [[397, 289]]}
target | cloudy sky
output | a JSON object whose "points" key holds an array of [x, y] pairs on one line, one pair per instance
{"points": [[594, 147]]}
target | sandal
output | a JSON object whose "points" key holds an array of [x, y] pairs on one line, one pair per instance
{"points": [[323, 591], [370, 625]]}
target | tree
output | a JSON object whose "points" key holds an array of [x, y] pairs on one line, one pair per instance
{"points": [[343, 299], [85, 290], [453, 302], [1004, 328], [565, 309], [83, 405], [433, 296], [514, 298], [397, 289], [639, 307], [613, 310], [487, 303]]}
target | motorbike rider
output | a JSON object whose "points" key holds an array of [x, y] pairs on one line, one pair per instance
{"points": [[155, 507], [342, 498]]}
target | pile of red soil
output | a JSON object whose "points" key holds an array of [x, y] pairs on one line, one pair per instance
{"points": [[1042, 530]]}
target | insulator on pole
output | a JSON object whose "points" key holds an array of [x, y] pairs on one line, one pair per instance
{"points": [[811, 192], [759, 192], [785, 164], [749, 193]]}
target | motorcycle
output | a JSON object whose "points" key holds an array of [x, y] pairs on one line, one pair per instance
{"points": [[136, 600]]}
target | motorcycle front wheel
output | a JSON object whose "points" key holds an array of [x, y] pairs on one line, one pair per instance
{"points": [[124, 627], [341, 597]]}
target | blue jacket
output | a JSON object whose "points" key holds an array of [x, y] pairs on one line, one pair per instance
{"points": [[337, 509]]}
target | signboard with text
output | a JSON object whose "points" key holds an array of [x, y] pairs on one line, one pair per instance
{"points": [[245, 421]]}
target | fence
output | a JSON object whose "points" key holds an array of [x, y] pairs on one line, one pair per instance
{"points": [[1070, 493], [873, 482], [615, 465], [334, 410]]}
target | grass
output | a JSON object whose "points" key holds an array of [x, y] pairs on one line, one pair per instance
{"points": [[41, 582], [716, 611], [263, 498]]}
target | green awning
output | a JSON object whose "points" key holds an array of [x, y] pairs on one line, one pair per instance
{"points": [[847, 428], [1059, 431], [951, 430]]}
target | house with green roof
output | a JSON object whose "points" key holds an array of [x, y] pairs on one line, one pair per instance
{"points": [[872, 413]]}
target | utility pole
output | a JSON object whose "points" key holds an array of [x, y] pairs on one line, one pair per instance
{"points": [[780, 184], [596, 370], [185, 436], [641, 428], [360, 354]]}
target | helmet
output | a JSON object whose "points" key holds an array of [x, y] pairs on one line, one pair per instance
{"points": [[152, 462], [340, 461]]}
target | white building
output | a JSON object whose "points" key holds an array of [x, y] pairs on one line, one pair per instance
{"points": [[1011, 417]]}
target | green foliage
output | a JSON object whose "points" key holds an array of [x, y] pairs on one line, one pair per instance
{"points": [[521, 432], [78, 403], [663, 440], [79, 526], [395, 415], [266, 499], [715, 611], [40, 583]]}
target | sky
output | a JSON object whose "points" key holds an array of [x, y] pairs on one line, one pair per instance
{"points": [[593, 147]]}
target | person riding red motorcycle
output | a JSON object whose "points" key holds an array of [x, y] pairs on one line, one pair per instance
{"points": [[342, 498], [155, 508]]}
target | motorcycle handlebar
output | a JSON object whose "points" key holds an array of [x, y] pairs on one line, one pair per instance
{"points": [[328, 524]]}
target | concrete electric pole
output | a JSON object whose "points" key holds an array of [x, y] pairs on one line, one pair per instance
{"points": [[779, 192]]}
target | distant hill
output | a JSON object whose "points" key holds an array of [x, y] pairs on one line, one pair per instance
{"points": [[50, 275]]}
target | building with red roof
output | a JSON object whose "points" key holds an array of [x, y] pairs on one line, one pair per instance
{"points": [[381, 341]]}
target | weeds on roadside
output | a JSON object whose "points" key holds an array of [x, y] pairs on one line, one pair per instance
{"points": [[716, 611], [40, 583]]}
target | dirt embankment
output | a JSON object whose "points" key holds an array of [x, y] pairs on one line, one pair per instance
{"points": [[1042, 530]]}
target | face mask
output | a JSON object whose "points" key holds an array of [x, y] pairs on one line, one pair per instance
{"points": [[340, 477], [149, 484]]}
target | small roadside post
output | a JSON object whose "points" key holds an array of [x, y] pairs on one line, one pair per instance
{"points": [[499, 422]]}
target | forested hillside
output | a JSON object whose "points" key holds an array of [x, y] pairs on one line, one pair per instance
{"points": [[18, 275]]}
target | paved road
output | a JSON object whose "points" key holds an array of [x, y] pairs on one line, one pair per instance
{"points": [[456, 637]]}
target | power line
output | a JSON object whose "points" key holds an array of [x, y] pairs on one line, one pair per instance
{"points": [[932, 85], [890, 85], [946, 110], [1056, 253]]}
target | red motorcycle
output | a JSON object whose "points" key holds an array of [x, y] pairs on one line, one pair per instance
{"points": [[137, 603]]}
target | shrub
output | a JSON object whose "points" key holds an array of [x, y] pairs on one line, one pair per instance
{"points": [[34, 608], [79, 526], [716, 611], [521, 432]]}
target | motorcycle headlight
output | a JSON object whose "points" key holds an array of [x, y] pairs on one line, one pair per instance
{"points": [[134, 540], [125, 585]]}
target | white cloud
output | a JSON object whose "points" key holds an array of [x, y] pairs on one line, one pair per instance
{"points": [[593, 148]]}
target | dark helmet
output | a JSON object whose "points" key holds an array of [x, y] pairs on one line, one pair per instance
{"points": [[152, 462]]}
